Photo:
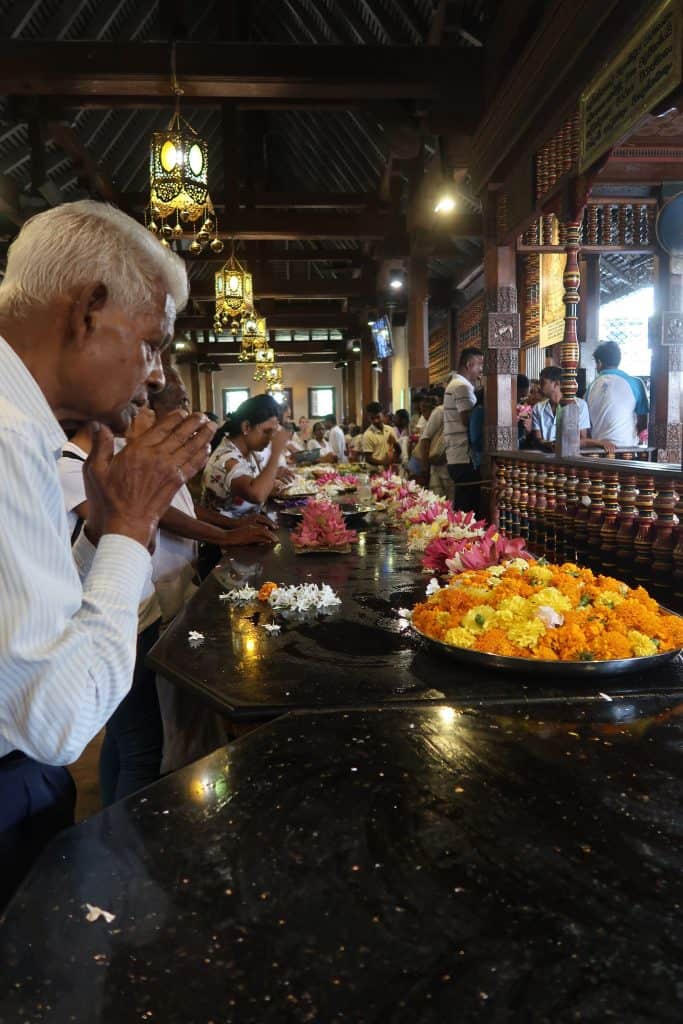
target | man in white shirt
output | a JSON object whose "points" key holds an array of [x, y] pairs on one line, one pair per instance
{"points": [[379, 441], [87, 304], [335, 438], [617, 402], [544, 414], [458, 402]]}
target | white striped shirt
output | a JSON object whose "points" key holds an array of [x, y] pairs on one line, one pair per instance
{"points": [[67, 649]]}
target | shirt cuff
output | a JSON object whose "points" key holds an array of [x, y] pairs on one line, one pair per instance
{"points": [[120, 563]]}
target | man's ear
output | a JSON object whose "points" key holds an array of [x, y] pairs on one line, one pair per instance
{"points": [[88, 301]]}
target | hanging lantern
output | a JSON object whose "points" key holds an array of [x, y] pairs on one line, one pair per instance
{"points": [[274, 383], [264, 359], [234, 295], [178, 184], [254, 337]]}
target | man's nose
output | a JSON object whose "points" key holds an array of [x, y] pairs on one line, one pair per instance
{"points": [[156, 381]]}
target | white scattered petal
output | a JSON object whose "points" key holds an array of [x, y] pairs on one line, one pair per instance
{"points": [[272, 627], [549, 616], [304, 598], [95, 913], [433, 587], [405, 613], [239, 594], [194, 635], [605, 696]]}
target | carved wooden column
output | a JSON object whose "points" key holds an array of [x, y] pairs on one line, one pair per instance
{"points": [[366, 357], [418, 323], [642, 563], [195, 397], [595, 519], [678, 554], [351, 403], [608, 532], [567, 432], [581, 519], [572, 503], [560, 512], [666, 341], [626, 526], [500, 336], [663, 542]]}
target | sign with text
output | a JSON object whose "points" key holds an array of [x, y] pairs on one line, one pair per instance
{"points": [[633, 83], [551, 296]]}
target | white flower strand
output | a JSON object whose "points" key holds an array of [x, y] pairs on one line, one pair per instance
{"points": [[304, 598], [239, 595]]}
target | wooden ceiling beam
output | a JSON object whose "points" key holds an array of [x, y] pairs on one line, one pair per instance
{"points": [[255, 225], [289, 72], [86, 165], [352, 258], [286, 321], [202, 289], [280, 200]]}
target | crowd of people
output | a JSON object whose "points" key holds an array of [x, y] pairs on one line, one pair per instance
{"points": [[102, 540]]}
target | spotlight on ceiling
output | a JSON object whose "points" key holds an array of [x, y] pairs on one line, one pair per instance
{"points": [[356, 347], [396, 279], [445, 203]]}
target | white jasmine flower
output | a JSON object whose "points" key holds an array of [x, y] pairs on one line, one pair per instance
{"points": [[433, 586], [272, 627], [95, 913], [239, 594]]}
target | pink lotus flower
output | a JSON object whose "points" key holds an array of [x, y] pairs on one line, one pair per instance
{"points": [[322, 526], [454, 555]]}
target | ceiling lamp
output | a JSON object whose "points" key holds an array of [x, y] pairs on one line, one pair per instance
{"points": [[234, 295], [178, 182], [445, 203], [265, 360], [396, 279], [254, 337]]}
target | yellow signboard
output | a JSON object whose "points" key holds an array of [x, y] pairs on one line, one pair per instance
{"points": [[551, 296], [633, 83]]}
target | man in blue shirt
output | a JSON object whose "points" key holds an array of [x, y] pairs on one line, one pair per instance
{"points": [[617, 402]]}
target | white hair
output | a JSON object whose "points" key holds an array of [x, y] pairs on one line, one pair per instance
{"points": [[78, 243]]}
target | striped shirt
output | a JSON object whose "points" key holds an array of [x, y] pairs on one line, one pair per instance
{"points": [[458, 398], [67, 647]]}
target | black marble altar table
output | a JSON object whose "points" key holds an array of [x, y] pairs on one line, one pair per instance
{"points": [[412, 866], [363, 654]]}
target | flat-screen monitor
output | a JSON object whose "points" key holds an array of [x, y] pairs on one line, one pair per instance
{"points": [[381, 335]]}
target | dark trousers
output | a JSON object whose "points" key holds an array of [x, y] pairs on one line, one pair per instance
{"points": [[36, 802], [131, 752], [467, 482]]}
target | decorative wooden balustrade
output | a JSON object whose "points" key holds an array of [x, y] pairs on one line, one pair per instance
{"points": [[608, 225], [621, 518]]}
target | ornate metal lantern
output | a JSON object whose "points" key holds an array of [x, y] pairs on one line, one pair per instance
{"points": [[264, 359], [234, 295], [178, 185], [254, 337], [273, 379]]}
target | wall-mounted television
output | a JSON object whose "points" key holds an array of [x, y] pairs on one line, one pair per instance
{"points": [[381, 335]]}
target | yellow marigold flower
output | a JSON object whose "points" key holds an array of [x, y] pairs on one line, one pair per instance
{"points": [[459, 637], [609, 599], [526, 634], [479, 618], [540, 574], [553, 598], [641, 644], [514, 609]]}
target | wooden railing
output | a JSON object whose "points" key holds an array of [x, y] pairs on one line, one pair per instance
{"points": [[621, 518]]}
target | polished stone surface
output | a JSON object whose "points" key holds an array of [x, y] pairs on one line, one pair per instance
{"points": [[413, 866], [363, 654]]}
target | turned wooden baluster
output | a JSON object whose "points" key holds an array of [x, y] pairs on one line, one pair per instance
{"points": [[595, 518], [569, 548], [642, 563], [560, 511], [541, 502], [627, 526], [524, 502], [678, 555], [500, 492], [550, 506], [532, 513], [581, 518], [663, 543], [508, 498], [514, 524], [608, 531]]}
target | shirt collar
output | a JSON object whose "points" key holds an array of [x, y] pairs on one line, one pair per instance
{"points": [[21, 389]]}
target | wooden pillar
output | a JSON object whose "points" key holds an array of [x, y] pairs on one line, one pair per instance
{"points": [[194, 387], [418, 323], [567, 443], [366, 357], [208, 391], [500, 340], [385, 396], [351, 404], [666, 342]]}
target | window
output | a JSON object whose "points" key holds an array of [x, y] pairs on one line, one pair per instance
{"points": [[233, 398], [321, 402]]}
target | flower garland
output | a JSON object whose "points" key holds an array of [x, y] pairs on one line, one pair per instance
{"points": [[322, 526], [547, 612]]}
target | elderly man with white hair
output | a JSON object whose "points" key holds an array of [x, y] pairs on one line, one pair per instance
{"points": [[87, 304]]}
